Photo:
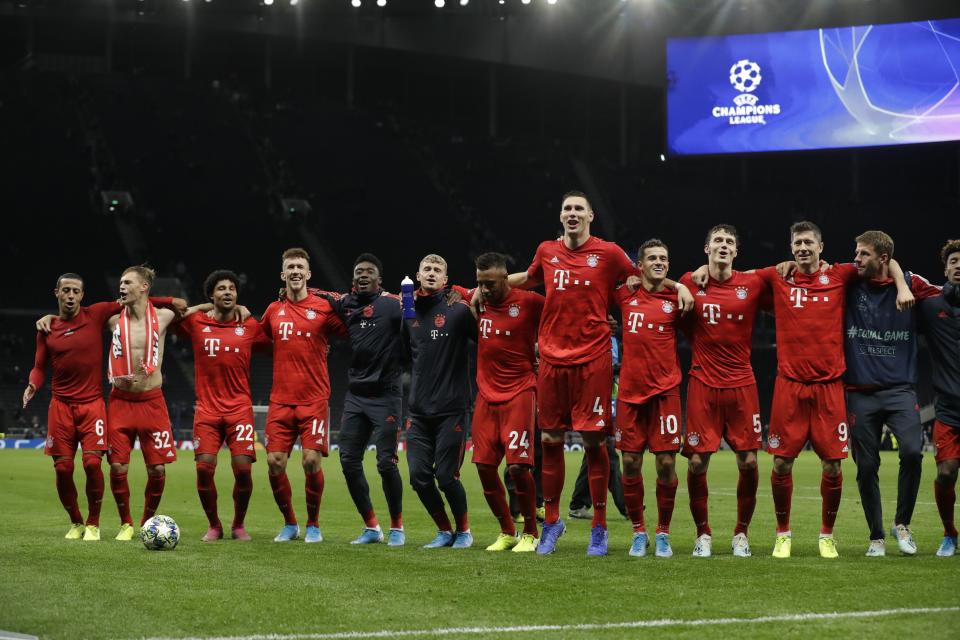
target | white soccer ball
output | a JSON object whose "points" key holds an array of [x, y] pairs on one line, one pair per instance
{"points": [[745, 76], [160, 533]]}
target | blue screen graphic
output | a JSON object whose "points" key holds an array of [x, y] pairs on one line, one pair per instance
{"points": [[845, 87]]}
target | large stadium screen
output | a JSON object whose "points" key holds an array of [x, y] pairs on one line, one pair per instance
{"points": [[884, 84]]}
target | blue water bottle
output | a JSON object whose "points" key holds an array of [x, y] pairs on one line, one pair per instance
{"points": [[406, 298]]}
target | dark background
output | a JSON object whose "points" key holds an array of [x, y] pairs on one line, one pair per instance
{"points": [[408, 130]]}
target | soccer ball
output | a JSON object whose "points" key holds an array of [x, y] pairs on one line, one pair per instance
{"points": [[745, 76], [160, 533]]}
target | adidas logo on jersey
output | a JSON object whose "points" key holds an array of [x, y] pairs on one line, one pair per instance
{"points": [[601, 423], [282, 312], [100, 441], [207, 330], [634, 303], [249, 447], [169, 454], [554, 260]]}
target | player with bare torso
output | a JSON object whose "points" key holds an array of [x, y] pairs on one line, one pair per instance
{"points": [[137, 409]]}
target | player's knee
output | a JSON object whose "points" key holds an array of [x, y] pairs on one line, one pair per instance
{"points": [[631, 465], [698, 464], [421, 479], [911, 458], [156, 471], [782, 466], [63, 465], [831, 468], [117, 468], [91, 462], [516, 469], [947, 472]]}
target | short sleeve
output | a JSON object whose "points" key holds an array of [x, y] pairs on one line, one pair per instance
{"points": [[921, 287]]}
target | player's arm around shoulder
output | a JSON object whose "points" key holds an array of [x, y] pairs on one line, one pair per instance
{"points": [[166, 317]]}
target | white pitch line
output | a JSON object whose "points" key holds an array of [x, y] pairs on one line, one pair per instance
{"points": [[638, 624]]}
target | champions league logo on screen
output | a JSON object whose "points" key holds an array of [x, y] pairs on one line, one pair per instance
{"points": [[745, 77]]}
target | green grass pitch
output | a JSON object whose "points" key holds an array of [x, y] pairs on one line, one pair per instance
{"points": [[58, 589]]}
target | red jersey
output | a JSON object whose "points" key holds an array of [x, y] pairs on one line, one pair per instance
{"points": [[650, 364], [809, 311], [300, 332], [579, 283], [74, 349], [721, 328], [506, 355], [221, 357]]}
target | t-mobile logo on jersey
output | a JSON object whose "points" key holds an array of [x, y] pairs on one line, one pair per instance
{"points": [[711, 312], [561, 278], [633, 320], [286, 328], [211, 346], [486, 325], [798, 295]]}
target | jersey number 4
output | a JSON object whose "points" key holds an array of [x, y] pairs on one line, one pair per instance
{"points": [[519, 440]]}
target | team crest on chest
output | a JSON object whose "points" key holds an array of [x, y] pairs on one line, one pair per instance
{"points": [[239, 331], [593, 260], [741, 293], [368, 311], [439, 320], [513, 311], [311, 314], [824, 279], [667, 306]]}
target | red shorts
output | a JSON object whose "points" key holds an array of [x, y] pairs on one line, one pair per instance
{"points": [[714, 413], [505, 428], [946, 441], [576, 397], [140, 415], [815, 412], [309, 422], [211, 430], [653, 425], [70, 423]]}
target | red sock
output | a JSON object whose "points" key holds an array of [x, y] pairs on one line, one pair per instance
{"points": [[666, 497], [782, 487], [242, 489], [66, 489], [699, 497], [526, 491], [442, 521], [151, 496], [207, 489], [946, 497], [283, 497], [551, 478], [396, 520], [121, 494], [370, 520], [746, 498], [831, 488], [314, 488], [496, 495], [598, 476], [633, 496], [462, 521], [91, 465]]}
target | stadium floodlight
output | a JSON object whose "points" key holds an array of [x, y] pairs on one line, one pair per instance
{"points": [[439, 3], [464, 3], [268, 2], [551, 1], [294, 3], [115, 202], [525, 1], [355, 3], [296, 207], [381, 3]]}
